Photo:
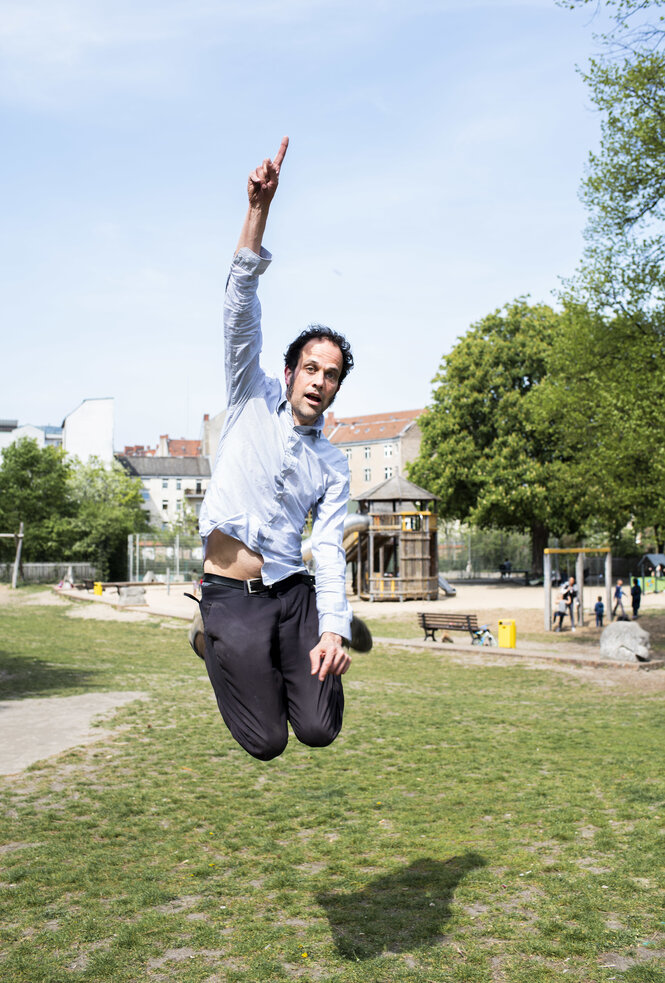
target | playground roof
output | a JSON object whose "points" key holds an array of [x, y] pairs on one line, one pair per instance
{"points": [[397, 489], [654, 559]]}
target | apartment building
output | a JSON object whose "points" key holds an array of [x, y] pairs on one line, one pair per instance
{"points": [[172, 486], [377, 446]]}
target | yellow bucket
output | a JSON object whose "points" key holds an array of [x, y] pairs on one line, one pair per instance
{"points": [[97, 588]]}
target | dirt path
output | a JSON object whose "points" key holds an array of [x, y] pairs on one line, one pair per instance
{"points": [[33, 729]]}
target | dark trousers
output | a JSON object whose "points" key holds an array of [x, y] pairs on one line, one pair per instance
{"points": [[257, 657]]}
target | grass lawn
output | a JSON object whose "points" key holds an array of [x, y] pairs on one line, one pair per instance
{"points": [[472, 823]]}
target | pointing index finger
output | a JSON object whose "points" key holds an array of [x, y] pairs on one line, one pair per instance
{"points": [[279, 156]]}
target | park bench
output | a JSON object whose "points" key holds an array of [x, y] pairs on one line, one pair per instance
{"points": [[431, 623]]}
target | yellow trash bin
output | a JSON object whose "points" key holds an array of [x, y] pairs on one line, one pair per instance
{"points": [[97, 588], [507, 634]]}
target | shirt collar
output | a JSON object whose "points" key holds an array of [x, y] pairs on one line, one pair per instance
{"points": [[314, 430]]}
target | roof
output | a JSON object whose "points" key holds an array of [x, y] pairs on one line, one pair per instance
{"points": [[139, 450], [654, 559], [6, 425], [181, 447], [397, 489], [374, 426], [166, 467]]}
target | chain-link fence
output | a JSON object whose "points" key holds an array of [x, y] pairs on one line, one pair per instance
{"points": [[167, 556], [468, 553]]}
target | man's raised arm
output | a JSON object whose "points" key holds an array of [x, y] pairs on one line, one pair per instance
{"points": [[261, 188]]}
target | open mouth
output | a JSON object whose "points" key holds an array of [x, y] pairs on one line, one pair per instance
{"points": [[313, 398]]}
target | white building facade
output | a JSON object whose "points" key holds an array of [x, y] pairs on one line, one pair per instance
{"points": [[88, 430], [173, 487]]}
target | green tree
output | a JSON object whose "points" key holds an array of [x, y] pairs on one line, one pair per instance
{"points": [[622, 269], [613, 378], [70, 511], [489, 450], [35, 490], [108, 507], [605, 381]]}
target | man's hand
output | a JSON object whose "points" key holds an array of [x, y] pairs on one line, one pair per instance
{"points": [[329, 656], [263, 181], [261, 188]]}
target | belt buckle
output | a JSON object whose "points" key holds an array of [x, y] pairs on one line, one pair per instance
{"points": [[254, 586]]}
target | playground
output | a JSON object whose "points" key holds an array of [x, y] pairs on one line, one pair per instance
{"points": [[482, 817]]}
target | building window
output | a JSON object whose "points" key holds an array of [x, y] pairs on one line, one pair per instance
{"points": [[165, 482], [180, 505], [165, 505], [367, 474], [387, 450], [178, 484], [198, 487], [387, 472], [368, 453], [348, 451]]}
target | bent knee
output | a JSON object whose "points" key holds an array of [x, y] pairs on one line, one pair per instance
{"points": [[265, 747], [317, 735]]}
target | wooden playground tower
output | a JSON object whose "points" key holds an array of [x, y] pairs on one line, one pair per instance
{"points": [[395, 557]]}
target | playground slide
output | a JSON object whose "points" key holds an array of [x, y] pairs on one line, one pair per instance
{"points": [[446, 587], [352, 524]]}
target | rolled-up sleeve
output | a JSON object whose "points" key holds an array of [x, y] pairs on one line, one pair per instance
{"points": [[330, 558]]}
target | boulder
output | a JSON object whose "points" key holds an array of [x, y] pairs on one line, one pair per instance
{"points": [[131, 595], [625, 641]]}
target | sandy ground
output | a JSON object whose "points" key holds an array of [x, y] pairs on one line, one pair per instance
{"points": [[172, 602], [32, 729]]}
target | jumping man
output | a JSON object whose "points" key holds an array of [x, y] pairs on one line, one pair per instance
{"points": [[274, 640]]}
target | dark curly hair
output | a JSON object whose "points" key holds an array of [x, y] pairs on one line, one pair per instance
{"points": [[292, 353]]}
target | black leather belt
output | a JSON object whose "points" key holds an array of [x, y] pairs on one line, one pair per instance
{"points": [[257, 586]]}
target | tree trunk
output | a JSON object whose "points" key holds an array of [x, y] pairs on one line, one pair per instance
{"points": [[540, 535], [658, 532]]}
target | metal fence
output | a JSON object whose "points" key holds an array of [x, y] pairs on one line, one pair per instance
{"points": [[168, 556], [48, 573], [468, 553]]}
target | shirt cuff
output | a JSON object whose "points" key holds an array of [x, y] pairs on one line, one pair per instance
{"points": [[340, 624], [246, 259]]}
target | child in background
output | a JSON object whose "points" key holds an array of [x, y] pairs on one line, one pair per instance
{"points": [[560, 612], [599, 608]]}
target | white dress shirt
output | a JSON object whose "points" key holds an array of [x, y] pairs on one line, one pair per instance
{"points": [[268, 472]]}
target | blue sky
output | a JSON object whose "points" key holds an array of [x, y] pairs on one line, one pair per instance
{"points": [[437, 149]]}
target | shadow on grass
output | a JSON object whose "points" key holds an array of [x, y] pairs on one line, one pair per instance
{"points": [[398, 911], [24, 676]]}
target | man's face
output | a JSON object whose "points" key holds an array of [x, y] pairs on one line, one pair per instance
{"points": [[313, 385]]}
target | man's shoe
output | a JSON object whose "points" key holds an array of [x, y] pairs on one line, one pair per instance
{"points": [[196, 634], [361, 636]]}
